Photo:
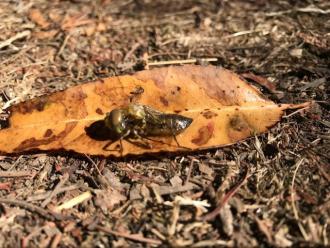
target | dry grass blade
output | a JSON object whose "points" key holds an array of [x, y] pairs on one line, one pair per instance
{"points": [[231, 192], [135, 237], [33, 208]]}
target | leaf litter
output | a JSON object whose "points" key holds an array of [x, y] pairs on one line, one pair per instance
{"points": [[256, 37]]}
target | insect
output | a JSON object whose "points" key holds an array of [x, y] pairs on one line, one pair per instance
{"points": [[137, 121], [136, 93]]}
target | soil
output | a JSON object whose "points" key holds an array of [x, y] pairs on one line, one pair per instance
{"points": [[268, 191]]}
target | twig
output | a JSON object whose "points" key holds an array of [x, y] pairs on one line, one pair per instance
{"points": [[296, 112], [45, 195], [294, 208], [95, 165], [56, 189], [214, 243], [130, 52], [189, 171], [57, 239], [33, 208], [25, 241], [166, 190], [226, 198], [158, 234], [184, 61], [174, 220], [308, 9], [313, 9], [135, 237], [74, 201], [16, 174], [242, 33], [15, 37], [65, 41]]}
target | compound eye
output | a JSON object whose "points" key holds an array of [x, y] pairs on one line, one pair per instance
{"points": [[116, 117], [115, 121]]}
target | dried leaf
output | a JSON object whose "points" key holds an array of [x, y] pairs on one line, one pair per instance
{"points": [[5, 186], [37, 17], [224, 110], [70, 22], [265, 226], [107, 199], [227, 220], [281, 239], [260, 80], [45, 34], [206, 169], [185, 201]]}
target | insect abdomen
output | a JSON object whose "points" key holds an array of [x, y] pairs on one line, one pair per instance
{"points": [[169, 125]]}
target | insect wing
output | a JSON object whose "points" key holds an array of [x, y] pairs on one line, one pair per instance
{"points": [[153, 117]]}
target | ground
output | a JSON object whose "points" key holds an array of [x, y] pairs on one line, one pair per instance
{"points": [[270, 190]]}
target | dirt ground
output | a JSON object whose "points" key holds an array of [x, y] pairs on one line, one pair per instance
{"points": [[268, 191]]}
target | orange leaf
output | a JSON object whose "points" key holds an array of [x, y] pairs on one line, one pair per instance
{"points": [[224, 110], [70, 22], [36, 16], [45, 34]]}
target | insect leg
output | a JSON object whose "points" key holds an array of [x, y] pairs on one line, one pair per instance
{"points": [[145, 144], [109, 144], [120, 142], [175, 139], [121, 147]]}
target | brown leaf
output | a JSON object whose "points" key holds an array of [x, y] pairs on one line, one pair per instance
{"points": [[5, 186], [265, 226], [109, 198], [70, 22], [45, 34], [37, 17], [315, 39], [260, 80], [224, 110]]}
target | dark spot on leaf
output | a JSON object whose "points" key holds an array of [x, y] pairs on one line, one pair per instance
{"points": [[79, 95], [209, 114], [31, 105], [137, 90], [204, 134], [238, 123], [164, 101], [136, 93], [99, 111], [35, 143], [48, 133], [178, 88], [236, 109], [177, 111], [186, 109]]}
